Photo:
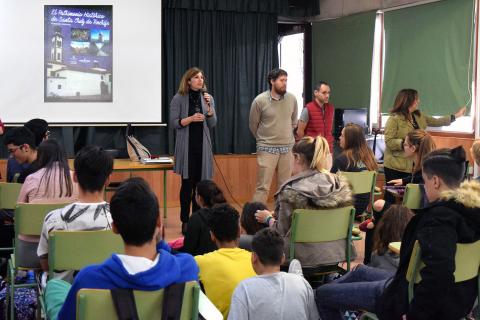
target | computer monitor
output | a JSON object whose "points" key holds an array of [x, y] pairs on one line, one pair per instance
{"points": [[357, 116]]}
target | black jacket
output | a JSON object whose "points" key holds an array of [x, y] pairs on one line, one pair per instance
{"points": [[197, 238], [455, 218]]}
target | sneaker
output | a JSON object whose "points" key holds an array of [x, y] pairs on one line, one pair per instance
{"points": [[295, 267]]}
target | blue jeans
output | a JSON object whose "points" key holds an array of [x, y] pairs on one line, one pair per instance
{"points": [[356, 290]]}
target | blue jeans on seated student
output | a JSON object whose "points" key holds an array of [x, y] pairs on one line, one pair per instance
{"points": [[356, 290]]}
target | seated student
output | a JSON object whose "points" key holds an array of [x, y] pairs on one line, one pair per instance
{"points": [[418, 144], [52, 183], [93, 167], [389, 229], [453, 216], [21, 145], [312, 186], [272, 294], [355, 157], [39, 128], [249, 223], [197, 237], [222, 269], [475, 152], [147, 263]]}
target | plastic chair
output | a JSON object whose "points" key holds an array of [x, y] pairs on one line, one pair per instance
{"points": [[8, 200], [29, 219], [97, 304], [9, 192], [73, 250], [412, 198], [362, 182], [467, 266], [313, 226]]}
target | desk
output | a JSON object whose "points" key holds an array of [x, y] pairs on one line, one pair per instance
{"points": [[126, 165], [395, 247]]}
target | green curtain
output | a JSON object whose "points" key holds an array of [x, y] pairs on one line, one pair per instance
{"points": [[342, 56], [427, 49]]}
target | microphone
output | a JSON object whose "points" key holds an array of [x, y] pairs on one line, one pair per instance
{"points": [[202, 92]]}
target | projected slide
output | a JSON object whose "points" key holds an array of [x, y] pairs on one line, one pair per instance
{"points": [[78, 53]]}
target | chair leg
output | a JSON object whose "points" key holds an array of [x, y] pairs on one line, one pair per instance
{"points": [[12, 292]]}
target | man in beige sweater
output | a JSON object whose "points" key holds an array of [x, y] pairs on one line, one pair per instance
{"points": [[273, 115]]}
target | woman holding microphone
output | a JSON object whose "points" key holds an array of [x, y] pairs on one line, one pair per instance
{"points": [[192, 114]]}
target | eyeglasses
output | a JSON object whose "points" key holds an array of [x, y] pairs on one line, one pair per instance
{"points": [[47, 134]]}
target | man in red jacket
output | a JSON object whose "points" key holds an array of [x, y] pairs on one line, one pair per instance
{"points": [[317, 116]]}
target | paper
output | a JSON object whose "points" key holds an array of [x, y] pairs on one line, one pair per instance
{"points": [[207, 309], [166, 160]]}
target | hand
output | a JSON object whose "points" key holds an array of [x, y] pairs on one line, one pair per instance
{"points": [[262, 215], [197, 117], [396, 182], [207, 98], [460, 112]]}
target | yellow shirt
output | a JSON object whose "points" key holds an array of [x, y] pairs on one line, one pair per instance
{"points": [[221, 271]]}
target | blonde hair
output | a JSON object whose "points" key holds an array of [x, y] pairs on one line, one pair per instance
{"points": [[315, 152], [183, 87], [476, 151], [423, 143]]}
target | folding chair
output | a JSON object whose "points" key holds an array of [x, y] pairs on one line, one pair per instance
{"points": [[362, 182], [9, 192]]}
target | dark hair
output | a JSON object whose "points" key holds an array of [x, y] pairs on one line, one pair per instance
{"points": [[405, 98], [275, 74], [50, 155], [210, 193], [248, 221], [92, 165], [448, 164], [390, 228], [356, 149], [268, 246], [39, 127], [20, 136], [134, 209], [224, 222], [319, 84], [423, 143]]}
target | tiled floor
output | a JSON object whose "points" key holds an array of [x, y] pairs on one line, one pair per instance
{"points": [[173, 226]]}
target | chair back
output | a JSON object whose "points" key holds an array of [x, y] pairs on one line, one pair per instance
{"points": [[97, 304], [467, 264], [9, 192], [29, 217], [73, 250], [361, 182], [412, 198], [322, 225]]}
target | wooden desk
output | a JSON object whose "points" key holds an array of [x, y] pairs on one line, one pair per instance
{"points": [[395, 247], [127, 165]]}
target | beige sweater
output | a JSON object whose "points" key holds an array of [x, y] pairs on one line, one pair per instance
{"points": [[272, 121]]}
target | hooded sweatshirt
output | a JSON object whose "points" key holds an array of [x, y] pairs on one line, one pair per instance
{"points": [[454, 218], [312, 189], [170, 269]]}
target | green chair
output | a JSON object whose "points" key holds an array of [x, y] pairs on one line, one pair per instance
{"points": [[8, 200], [467, 266], [9, 192], [73, 250], [96, 304], [29, 219], [313, 226], [412, 198], [362, 182]]}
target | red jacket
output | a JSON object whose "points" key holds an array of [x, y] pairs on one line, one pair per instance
{"points": [[320, 121]]}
